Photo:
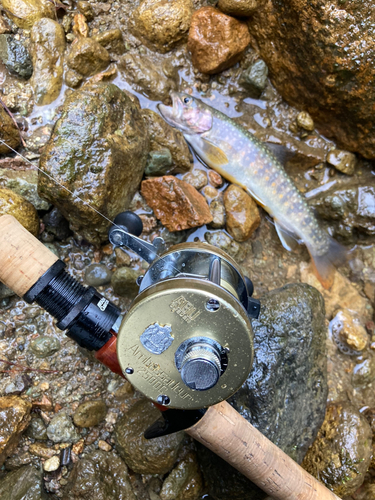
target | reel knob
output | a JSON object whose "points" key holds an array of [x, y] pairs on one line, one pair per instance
{"points": [[201, 367], [130, 221]]}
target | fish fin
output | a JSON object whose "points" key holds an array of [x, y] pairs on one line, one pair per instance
{"points": [[256, 198], [280, 152], [325, 264], [288, 240], [215, 155]]}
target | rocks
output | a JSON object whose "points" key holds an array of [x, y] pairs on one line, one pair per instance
{"points": [[161, 25], [216, 41], [124, 281], [153, 456], [90, 413], [15, 56], [14, 418], [14, 204], [8, 132], [364, 370], [329, 79], [44, 346], [341, 453], [37, 429], [99, 476], [184, 482], [215, 179], [163, 136], [98, 275], [305, 121], [87, 57], [17, 385], [217, 210], [24, 183], [25, 13], [62, 430], [290, 363], [98, 148], [221, 240], [159, 163], [24, 483], [111, 40], [197, 178], [47, 50], [343, 161], [242, 213], [348, 332], [51, 464], [254, 78], [177, 204], [4, 26], [56, 225], [240, 8]]}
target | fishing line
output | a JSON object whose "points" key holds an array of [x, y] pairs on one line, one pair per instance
{"points": [[78, 198]]}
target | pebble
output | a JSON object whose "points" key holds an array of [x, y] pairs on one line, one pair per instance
{"points": [[45, 346], [240, 8], [254, 78], [42, 451], [103, 445], [216, 41], [62, 430], [221, 240], [77, 448], [51, 464], [4, 26], [210, 193], [14, 418], [215, 179], [111, 40], [218, 214], [158, 162], [88, 57], [15, 56], [364, 370], [98, 275], [124, 281], [122, 258], [242, 213], [85, 8], [348, 333], [305, 121], [8, 132], [90, 413], [24, 13], [37, 429], [343, 161], [197, 178]]}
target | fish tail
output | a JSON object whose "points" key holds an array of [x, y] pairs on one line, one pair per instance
{"points": [[325, 264]]}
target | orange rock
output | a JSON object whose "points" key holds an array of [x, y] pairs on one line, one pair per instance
{"points": [[177, 204], [215, 179], [242, 213], [216, 41], [14, 418]]}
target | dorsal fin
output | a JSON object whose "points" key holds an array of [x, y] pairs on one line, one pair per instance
{"points": [[214, 155]]}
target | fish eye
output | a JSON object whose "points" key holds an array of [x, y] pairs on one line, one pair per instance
{"points": [[187, 100]]}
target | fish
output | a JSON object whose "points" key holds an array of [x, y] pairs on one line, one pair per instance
{"points": [[242, 159]]}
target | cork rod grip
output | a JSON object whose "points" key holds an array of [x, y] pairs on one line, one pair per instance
{"points": [[23, 258], [235, 440]]}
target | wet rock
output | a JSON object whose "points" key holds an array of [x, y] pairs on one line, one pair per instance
{"points": [[5, 292], [98, 148], [365, 492], [240, 8], [305, 121], [348, 208], [364, 370], [73, 79], [290, 363], [45, 346], [24, 183], [343, 161], [348, 332], [175, 203], [51, 464], [37, 429], [90, 413], [88, 57], [62, 430], [8, 132], [159, 163], [80, 27], [18, 384], [210, 193], [341, 453], [184, 482], [197, 178], [85, 9], [241, 212], [254, 78], [162, 25], [215, 179], [153, 456], [15, 56], [25, 13], [14, 418], [47, 50], [122, 257], [329, 79], [4, 26], [14, 204], [103, 445], [98, 275], [124, 281], [99, 476], [221, 240], [42, 451], [163, 136], [111, 40], [147, 76], [56, 224], [217, 210], [24, 483], [216, 41]]}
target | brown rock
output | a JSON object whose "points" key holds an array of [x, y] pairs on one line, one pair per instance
{"points": [[242, 213], [88, 57], [197, 178], [347, 329], [161, 24], [14, 418], [215, 179], [24, 13], [177, 204], [8, 132], [210, 193], [4, 26], [343, 161], [218, 214], [111, 40], [42, 451], [330, 75], [14, 204], [240, 8], [80, 27], [90, 413], [216, 41]]}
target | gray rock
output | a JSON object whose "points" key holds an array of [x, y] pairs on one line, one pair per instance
{"points": [[98, 275], [24, 183], [15, 56], [285, 394], [45, 346], [222, 240], [254, 78], [158, 162], [22, 484], [37, 429], [62, 430], [343, 161], [19, 384], [56, 224], [5, 292], [217, 210], [197, 178]]}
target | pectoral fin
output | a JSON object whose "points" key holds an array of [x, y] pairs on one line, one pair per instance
{"points": [[214, 155], [288, 240]]}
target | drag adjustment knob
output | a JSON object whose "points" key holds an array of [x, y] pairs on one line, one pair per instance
{"points": [[201, 366]]}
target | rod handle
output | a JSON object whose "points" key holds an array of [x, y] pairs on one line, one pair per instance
{"points": [[225, 432], [23, 258]]}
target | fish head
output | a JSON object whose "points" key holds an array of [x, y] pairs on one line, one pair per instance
{"points": [[187, 113]]}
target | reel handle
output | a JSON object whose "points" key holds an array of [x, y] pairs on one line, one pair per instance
{"points": [[24, 259]]}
